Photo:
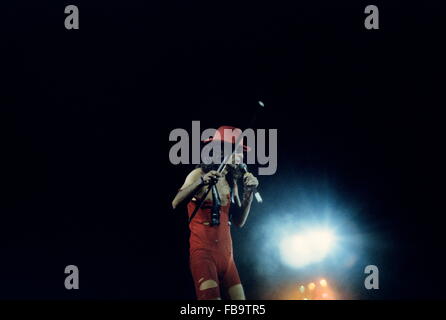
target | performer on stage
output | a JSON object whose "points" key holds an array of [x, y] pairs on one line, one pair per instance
{"points": [[211, 256]]}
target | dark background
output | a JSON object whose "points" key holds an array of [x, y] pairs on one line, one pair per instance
{"points": [[86, 114]]}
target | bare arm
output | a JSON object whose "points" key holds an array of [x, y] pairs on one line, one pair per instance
{"points": [[194, 182], [242, 215]]}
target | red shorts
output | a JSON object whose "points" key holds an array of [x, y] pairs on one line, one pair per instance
{"points": [[206, 265], [211, 255]]}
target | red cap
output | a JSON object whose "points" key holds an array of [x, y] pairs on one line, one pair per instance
{"points": [[231, 136]]}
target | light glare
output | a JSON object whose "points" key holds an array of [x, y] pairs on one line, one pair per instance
{"points": [[300, 250]]}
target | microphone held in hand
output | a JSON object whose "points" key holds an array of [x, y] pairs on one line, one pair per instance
{"points": [[244, 168]]}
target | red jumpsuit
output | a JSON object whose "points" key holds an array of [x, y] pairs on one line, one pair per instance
{"points": [[211, 255]]}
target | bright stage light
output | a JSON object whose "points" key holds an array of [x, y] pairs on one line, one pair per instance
{"points": [[323, 282], [302, 249]]}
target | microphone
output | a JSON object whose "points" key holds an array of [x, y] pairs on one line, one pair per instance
{"points": [[244, 168]]}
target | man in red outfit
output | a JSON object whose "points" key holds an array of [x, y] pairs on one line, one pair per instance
{"points": [[211, 257]]}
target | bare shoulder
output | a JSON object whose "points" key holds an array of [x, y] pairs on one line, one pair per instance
{"points": [[196, 173], [193, 176]]}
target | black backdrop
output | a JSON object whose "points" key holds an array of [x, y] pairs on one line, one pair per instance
{"points": [[86, 114]]}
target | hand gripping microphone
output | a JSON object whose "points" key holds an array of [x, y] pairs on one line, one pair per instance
{"points": [[244, 168]]}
